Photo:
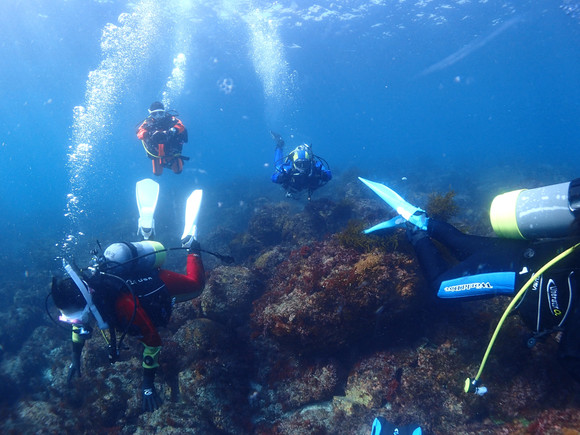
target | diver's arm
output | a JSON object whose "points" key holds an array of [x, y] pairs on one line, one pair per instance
{"points": [[143, 131], [78, 342], [323, 173], [283, 171], [278, 157], [185, 287], [181, 130]]}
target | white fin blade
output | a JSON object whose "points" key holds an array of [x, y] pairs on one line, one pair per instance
{"points": [[192, 208], [147, 194]]}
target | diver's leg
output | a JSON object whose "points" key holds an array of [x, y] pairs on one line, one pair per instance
{"points": [[177, 165], [429, 257], [157, 166], [464, 245]]}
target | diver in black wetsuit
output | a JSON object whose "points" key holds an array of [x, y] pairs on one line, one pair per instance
{"points": [[489, 266]]}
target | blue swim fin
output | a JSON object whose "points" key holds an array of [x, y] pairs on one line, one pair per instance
{"points": [[396, 222], [409, 212], [382, 427]]}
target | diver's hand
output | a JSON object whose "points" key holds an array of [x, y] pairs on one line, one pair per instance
{"points": [[172, 132], [278, 139], [192, 245], [159, 137], [150, 399]]}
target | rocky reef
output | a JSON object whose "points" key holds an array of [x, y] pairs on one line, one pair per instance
{"points": [[315, 329]]}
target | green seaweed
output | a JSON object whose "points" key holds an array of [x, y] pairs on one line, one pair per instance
{"points": [[442, 207], [353, 237]]}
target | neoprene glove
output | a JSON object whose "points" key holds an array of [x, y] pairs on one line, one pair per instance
{"points": [[151, 400], [191, 244], [194, 248]]}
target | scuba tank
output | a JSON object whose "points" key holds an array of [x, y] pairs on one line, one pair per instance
{"points": [[544, 212], [134, 257]]}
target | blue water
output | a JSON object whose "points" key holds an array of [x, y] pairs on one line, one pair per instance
{"points": [[467, 90]]}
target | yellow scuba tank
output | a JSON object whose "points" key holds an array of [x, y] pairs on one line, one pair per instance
{"points": [[544, 212]]}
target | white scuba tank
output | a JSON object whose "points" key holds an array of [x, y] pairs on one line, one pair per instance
{"points": [[544, 212], [135, 257]]}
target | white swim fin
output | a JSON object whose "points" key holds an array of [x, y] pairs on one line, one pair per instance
{"points": [[191, 216], [147, 195]]}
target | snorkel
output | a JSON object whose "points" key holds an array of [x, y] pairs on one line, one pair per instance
{"points": [[84, 289]]}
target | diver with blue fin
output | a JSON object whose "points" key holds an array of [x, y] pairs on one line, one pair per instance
{"points": [[300, 170], [541, 273], [126, 290]]}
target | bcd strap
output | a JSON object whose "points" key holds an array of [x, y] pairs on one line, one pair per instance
{"points": [[134, 254]]}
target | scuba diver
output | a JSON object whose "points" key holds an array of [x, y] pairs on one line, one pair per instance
{"points": [[163, 136], [126, 290], [537, 264], [300, 170]]}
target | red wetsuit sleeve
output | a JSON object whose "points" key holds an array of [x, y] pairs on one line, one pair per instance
{"points": [[185, 287], [125, 306], [142, 132], [179, 125]]}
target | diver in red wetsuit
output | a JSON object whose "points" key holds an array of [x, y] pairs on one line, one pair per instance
{"points": [[128, 292], [163, 136]]}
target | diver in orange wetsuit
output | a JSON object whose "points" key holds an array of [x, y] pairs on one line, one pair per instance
{"points": [[163, 136]]}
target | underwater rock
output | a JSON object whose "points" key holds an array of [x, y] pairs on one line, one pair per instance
{"points": [[23, 315], [373, 381], [295, 382], [200, 338], [342, 333], [214, 381], [228, 295], [26, 371], [326, 296], [275, 225], [218, 241], [265, 265], [38, 415]]}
